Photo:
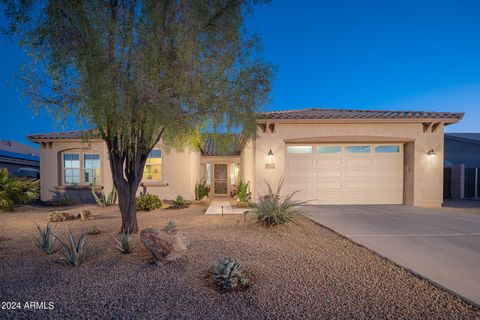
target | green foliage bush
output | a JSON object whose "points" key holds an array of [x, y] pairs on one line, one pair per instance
{"points": [[74, 250], [227, 274], [17, 190], [201, 190], [273, 209], [46, 239], [123, 243], [243, 193], [62, 199], [148, 202], [180, 203], [93, 230]]}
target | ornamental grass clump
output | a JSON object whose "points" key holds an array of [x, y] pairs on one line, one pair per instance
{"points": [[228, 275], [272, 209], [74, 250], [124, 243], [46, 239]]}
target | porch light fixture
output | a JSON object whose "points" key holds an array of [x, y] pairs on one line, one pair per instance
{"points": [[431, 153], [270, 155]]}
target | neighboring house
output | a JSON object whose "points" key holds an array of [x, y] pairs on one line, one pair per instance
{"points": [[20, 160], [462, 166], [462, 148], [330, 156]]}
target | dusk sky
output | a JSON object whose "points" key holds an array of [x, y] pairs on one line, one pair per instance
{"points": [[401, 55]]}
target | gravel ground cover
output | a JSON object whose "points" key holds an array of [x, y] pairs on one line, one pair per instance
{"points": [[299, 272]]}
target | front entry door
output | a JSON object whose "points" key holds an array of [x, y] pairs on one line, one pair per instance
{"points": [[220, 179]]}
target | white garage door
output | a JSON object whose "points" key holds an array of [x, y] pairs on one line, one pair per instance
{"points": [[346, 173]]}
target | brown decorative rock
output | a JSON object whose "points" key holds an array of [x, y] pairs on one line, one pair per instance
{"points": [[58, 216], [165, 246], [86, 214]]}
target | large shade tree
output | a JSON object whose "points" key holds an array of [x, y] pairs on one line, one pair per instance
{"points": [[141, 71]]}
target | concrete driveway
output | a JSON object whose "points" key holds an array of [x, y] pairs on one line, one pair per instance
{"points": [[441, 245]]}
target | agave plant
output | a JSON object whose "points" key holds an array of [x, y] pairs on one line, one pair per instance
{"points": [[123, 243], [102, 200], [45, 240], [272, 209], [227, 274], [74, 250]]}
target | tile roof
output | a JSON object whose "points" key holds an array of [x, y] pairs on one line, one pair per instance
{"points": [[314, 113], [222, 145], [213, 145], [468, 136], [18, 148], [77, 134]]}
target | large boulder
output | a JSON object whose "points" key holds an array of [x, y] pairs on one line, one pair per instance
{"points": [[58, 216], [166, 245]]}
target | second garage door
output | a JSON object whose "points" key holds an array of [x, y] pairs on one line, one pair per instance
{"points": [[346, 173]]}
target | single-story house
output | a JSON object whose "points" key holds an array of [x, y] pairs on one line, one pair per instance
{"points": [[329, 156], [19, 159], [462, 148]]}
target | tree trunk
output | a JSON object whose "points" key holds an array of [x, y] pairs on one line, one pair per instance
{"points": [[127, 202]]}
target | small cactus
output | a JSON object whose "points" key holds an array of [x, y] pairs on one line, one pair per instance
{"points": [[227, 274], [171, 225]]}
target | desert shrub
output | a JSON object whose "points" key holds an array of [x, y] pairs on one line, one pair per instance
{"points": [[228, 275], [102, 200], [17, 190], [123, 243], [201, 190], [180, 203], [148, 202], [62, 199], [273, 209], [171, 225], [74, 250], [93, 230], [243, 193], [45, 240]]}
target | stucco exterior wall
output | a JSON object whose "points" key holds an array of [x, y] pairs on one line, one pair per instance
{"points": [[180, 171], [423, 181], [247, 164]]}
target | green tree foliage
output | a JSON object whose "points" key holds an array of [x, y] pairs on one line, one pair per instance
{"points": [[17, 190], [141, 71]]}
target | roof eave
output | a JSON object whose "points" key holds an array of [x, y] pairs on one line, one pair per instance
{"points": [[447, 121]]}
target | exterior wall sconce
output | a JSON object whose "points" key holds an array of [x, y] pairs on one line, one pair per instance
{"points": [[270, 155], [431, 153], [270, 164]]}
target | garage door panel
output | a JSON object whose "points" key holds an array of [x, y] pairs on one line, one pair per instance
{"points": [[361, 161], [300, 162], [301, 173], [357, 185], [329, 185], [346, 178], [329, 173], [329, 198], [329, 162], [357, 173]]}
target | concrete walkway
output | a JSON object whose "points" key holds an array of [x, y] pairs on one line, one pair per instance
{"points": [[439, 245], [217, 206]]}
